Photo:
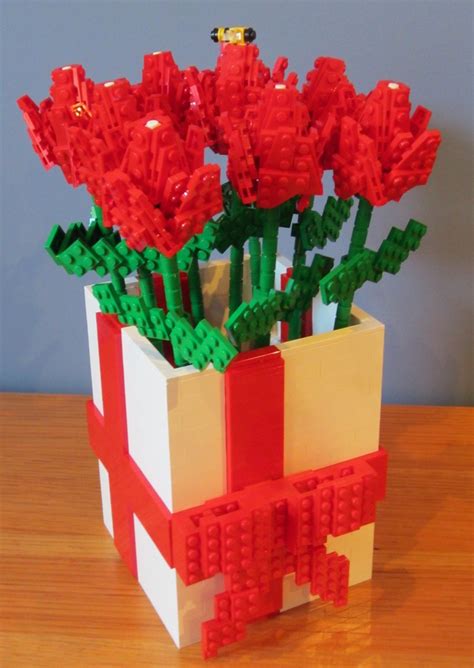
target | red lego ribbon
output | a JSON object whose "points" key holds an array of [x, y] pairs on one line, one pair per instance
{"points": [[266, 526]]}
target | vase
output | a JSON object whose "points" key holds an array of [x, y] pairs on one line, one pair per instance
{"points": [[182, 451]]}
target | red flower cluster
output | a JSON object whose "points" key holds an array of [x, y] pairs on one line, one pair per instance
{"points": [[140, 148], [383, 152], [279, 140], [133, 148]]}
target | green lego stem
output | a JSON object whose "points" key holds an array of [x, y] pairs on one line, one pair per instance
{"points": [[261, 341], [118, 282], [343, 313], [299, 255], [294, 325], [269, 249], [255, 256], [147, 289], [236, 277], [357, 244], [172, 284], [271, 218], [195, 291], [361, 227]]}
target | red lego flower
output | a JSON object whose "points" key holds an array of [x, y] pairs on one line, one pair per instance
{"points": [[261, 121], [275, 154], [329, 96], [162, 194], [228, 92], [133, 148], [383, 152]]}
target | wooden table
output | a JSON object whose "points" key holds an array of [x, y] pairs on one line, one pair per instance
{"points": [[67, 600]]}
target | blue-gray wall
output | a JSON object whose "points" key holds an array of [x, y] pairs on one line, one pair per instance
{"points": [[427, 308]]}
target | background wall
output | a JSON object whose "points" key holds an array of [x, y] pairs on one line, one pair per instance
{"points": [[426, 308]]}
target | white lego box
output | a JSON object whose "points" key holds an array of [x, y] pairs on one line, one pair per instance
{"points": [[332, 398]]}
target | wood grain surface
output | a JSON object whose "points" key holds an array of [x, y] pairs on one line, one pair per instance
{"points": [[67, 600]]}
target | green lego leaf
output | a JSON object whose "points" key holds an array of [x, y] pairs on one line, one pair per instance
{"points": [[200, 246], [341, 283], [308, 279], [397, 246], [150, 257], [367, 265], [106, 295], [80, 250], [198, 346], [314, 230], [54, 242], [256, 318], [286, 212], [133, 311], [335, 214], [201, 345], [235, 230], [96, 216]]}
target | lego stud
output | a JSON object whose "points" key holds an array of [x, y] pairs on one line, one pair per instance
{"points": [[234, 35], [80, 109], [152, 125]]}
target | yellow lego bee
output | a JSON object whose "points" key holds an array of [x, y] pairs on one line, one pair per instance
{"points": [[235, 35]]}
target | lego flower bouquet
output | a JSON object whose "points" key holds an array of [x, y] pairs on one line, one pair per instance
{"points": [[236, 433]]}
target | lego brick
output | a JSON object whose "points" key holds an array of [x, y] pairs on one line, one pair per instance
{"points": [[159, 433], [177, 465], [175, 420], [254, 413], [105, 496], [108, 432], [147, 418], [327, 376], [275, 519], [330, 576], [324, 316], [215, 278], [265, 531], [281, 267], [92, 308], [200, 346], [255, 319], [357, 546], [130, 491], [182, 609]]}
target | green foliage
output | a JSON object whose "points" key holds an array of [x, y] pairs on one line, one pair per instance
{"points": [[256, 318], [239, 222], [96, 248], [367, 265], [308, 279], [199, 246], [397, 246], [341, 283], [80, 250], [108, 298], [313, 230], [198, 346]]}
